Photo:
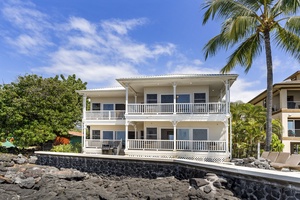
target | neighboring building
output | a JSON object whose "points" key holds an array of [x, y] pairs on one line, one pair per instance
{"points": [[286, 108], [172, 116]]}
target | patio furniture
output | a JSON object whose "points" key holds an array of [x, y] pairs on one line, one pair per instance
{"points": [[272, 156], [265, 154], [292, 163], [282, 157]]}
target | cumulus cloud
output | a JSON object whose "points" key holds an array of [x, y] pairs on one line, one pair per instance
{"points": [[32, 26], [102, 52], [97, 52], [241, 90]]}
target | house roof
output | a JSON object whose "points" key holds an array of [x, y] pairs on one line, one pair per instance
{"points": [[75, 133], [288, 83]]}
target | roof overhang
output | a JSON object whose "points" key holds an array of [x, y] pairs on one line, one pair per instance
{"points": [[215, 81], [103, 92], [276, 87]]}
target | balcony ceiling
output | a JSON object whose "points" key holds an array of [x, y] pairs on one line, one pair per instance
{"points": [[215, 82]]}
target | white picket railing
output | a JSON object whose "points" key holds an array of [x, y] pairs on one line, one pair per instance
{"points": [[190, 145], [168, 108], [105, 115]]}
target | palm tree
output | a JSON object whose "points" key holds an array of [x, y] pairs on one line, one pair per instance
{"points": [[251, 24]]}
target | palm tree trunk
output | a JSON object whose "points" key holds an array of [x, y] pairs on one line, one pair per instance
{"points": [[269, 90]]}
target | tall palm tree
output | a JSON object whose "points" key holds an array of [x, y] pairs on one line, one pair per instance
{"points": [[251, 24]]}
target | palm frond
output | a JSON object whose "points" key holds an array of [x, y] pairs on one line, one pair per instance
{"points": [[236, 29], [225, 9], [213, 45], [244, 54], [287, 6], [293, 25], [288, 41], [232, 31]]}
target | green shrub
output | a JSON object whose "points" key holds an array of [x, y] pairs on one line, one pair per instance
{"points": [[76, 148]]}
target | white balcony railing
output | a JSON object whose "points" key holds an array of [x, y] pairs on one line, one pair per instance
{"points": [[181, 145], [181, 108], [105, 115]]}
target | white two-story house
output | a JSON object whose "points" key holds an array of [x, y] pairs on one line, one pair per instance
{"points": [[170, 116], [286, 109]]}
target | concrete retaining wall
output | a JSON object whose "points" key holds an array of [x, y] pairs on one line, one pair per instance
{"points": [[245, 182]]}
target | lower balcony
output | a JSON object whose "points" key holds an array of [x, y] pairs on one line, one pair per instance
{"points": [[181, 145]]}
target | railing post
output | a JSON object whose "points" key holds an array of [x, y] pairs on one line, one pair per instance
{"points": [[84, 108], [126, 100], [126, 135]]}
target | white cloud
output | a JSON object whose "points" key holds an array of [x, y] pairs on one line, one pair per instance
{"points": [[31, 25], [121, 27], [82, 25], [241, 90], [102, 52]]}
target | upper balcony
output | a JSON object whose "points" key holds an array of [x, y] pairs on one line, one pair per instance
{"points": [[177, 108], [105, 115]]}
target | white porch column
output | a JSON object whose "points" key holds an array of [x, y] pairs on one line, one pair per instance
{"points": [[283, 98], [126, 101], [135, 99], [227, 108], [84, 136], [174, 98], [126, 135], [175, 134], [227, 134], [230, 121], [84, 108]]}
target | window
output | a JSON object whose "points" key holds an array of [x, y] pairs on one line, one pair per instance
{"points": [[131, 135], [108, 135], [151, 98], [121, 135], [200, 134], [167, 98], [294, 128], [183, 134], [183, 98], [152, 133], [120, 106], [95, 134], [108, 106], [96, 106], [199, 98]]}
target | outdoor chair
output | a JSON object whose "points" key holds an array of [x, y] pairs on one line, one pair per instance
{"points": [[292, 162], [272, 156], [282, 157], [265, 154]]}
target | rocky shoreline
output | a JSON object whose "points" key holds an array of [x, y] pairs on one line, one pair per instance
{"points": [[20, 178]]}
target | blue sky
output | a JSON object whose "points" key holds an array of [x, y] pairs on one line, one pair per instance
{"points": [[101, 40]]}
